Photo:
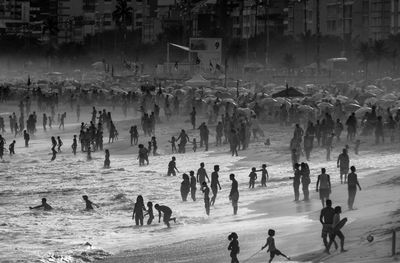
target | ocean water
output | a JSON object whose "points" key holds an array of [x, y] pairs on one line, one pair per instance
{"points": [[70, 234]]}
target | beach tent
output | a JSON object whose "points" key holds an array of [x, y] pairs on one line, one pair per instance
{"points": [[288, 93], [198, 80]]}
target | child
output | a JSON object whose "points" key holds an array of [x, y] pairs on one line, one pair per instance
{"points": [[358, 142], [107, 159], [173, 146], [253, 177], [194, 145], [234, 247], [149, 148], [172, 167], [272, 249], [150, 213], [264, 175], [88, 203], [11, 148]]}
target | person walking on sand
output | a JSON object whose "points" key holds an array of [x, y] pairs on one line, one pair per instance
{"points": [[234, 247], [234, 194], [202, 175], [59, 144], [326, 219], [172, 167], [352, 184], [253, 177], [193, 118], [271, 246], [324, 183], [206, 191], [138, 210], [26, 138], [296, 181], [134, 135], [74, 145], [89, 204], [44, 205], [215, 184], [305, 180], [167, 214], [185, 187], [336, 231], [11, 148], [193, 187], [343, 163]]}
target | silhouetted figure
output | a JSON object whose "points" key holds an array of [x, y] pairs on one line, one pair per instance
{"points": [[324, 183], [74, 145], [138, 210], [89, 154], [202, 175], [11, 148], [357, 146], [173, 144], [143, 155], [305, 180], [253, 177], [193, 118], [234, 194], [172, 167], [273, 251], [59, 143], [326, 219], [26, 138], [134, 135], [352, 184], [215, 183], [296, 181], [167, 214], [150, 213], [193, 187], [234, 247], [336, 231], [206, 191], [185, 187], [343, 163], [89, 204], [107, 159], [54, 154], [44, 205], [264, 175]]}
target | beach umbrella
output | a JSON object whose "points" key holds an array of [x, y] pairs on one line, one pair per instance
{"points": [[352, 107], [389, 96], [361, 111], [342, 98], [268, 102], [230, 100], [386, 103], [325, 105], [283, 101], [223, 95], [373, 89], [371, 101], [305, 108]]}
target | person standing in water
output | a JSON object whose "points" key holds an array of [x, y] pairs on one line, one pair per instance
{"points": [[26, 138], [172, 167], [134, 135], [234, 194], [149, 213], [324, 183], [253, 177], [352, 184], [59, 144], [11, 148], [74, 145], [264, 175], [107, 159], [234, 247], [88, 203], [54, 154], [89, 154], [193, 187], [305, 180], [215, 183], [167, 214], [193, 118], [137, 214], [296, 181], [206, 191], [202, 175], [44, 205], [185, 187], [343, 163], [271, 246]]}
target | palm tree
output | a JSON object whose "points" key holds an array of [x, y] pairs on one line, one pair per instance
{"points": [[50, 28], [122, 15], [289, 62], [379, 52], [365, 54]]}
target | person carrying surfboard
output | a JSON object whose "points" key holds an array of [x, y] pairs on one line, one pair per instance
{"points": [[336, 226]]}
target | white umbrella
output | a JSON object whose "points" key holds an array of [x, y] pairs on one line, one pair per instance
{"points": [[389, 96], [229, 100], [342, 98], [361, 111], [305, 108], [352, 107], [371, 101], [324, 105]]}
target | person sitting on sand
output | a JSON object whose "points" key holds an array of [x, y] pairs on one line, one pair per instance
{"points": [[272, 249], [88, 203], [45, 205], [167, 214]]}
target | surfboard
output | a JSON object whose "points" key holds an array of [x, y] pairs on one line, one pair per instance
{"points": [[340, 224]]}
